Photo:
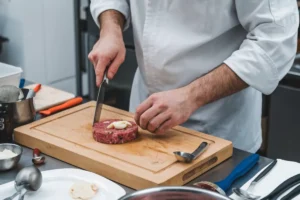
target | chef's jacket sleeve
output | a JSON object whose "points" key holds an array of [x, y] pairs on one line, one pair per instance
{"points": [[99, 6], [267, 53]]}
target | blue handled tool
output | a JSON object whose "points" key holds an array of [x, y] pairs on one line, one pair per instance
{"points": [[241, 169], [22, 83]]}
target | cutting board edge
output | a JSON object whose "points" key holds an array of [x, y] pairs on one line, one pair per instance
{"points": [[131, 180], [119, 176], [199, 168]]}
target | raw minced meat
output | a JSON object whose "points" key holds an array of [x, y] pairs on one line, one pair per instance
{"points": [[103, 134]]}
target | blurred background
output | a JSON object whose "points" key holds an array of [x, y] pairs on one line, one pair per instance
{"points": [[50, 41]]}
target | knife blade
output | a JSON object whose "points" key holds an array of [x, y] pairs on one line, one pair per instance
{"points": [[100, 98]]}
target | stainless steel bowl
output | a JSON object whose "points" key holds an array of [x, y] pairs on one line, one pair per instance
{"points": [[7, 164], [174, 192]]}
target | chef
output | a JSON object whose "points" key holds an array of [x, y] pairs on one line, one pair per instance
{"points": [[202, 64]]}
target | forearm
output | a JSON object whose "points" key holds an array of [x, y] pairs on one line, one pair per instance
{"points": [[215, 85], [111, 20]]}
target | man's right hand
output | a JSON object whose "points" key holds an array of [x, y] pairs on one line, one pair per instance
{"points": [[109, 51]]}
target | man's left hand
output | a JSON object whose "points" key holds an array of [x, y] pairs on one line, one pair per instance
{"points": [[164, 110]]}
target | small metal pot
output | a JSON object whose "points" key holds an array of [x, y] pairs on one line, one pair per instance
{"points": [[15, 114], [23, 111], [174, 192]]}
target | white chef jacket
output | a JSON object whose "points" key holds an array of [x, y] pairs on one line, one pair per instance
{"points": [[178, 41]]}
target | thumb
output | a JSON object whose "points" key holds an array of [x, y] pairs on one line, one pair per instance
{"points": [[113, 68]]}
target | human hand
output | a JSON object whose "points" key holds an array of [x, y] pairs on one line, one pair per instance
{"points": [[109, 51], [164, 110]]}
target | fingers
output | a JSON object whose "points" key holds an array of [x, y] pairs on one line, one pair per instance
{"points": [[113, 68], [164, 127], [102, 63], [141, 109], [147, 116], [158, 121]]}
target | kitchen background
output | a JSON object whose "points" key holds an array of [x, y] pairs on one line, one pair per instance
{"points": [[50, 41]]}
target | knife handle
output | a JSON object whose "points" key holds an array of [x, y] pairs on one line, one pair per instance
{"points": [[292, 194], [283, 187], [265, 171], [238, 171], [63, 106], [37, 88]]}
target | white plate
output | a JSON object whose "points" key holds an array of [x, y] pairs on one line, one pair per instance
{"points": [[56, 185]]}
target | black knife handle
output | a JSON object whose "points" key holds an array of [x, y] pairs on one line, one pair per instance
{"points": [[292, 194], [267, 170], [282, 187]]}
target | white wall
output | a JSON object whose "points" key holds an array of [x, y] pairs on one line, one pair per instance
{"points": [[42, 40]]}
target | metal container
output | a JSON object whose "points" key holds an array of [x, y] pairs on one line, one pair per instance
{"points": [[15, 114], [23, 112], [174, 192], [7, 164]]}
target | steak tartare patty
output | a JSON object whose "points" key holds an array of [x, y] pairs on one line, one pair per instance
{"points": [[103, 134]]}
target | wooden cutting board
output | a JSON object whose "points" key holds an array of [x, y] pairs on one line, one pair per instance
{"points": [[144, 163], [48, 97]]}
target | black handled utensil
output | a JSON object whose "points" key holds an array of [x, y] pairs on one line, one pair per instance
{"points": [[247, 194], [283, 187]]}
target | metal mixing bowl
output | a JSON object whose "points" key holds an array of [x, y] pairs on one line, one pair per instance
{"points": [[7, 164], [174, 192]]}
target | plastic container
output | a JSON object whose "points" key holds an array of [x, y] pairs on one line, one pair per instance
{"points": [[10, 75]]}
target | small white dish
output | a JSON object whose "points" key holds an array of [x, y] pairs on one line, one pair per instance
{"points": [[57, 183]]}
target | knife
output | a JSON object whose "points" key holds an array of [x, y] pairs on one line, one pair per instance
{"points": [[100, 98]]}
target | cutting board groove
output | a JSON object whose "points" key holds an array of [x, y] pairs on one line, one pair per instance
{"points": [[145, 162]]}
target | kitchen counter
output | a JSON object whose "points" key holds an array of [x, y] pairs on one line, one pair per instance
{"points": [[217, 173]]}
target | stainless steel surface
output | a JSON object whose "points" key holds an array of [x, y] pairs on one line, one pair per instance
{"points": [[174, 192], [24, 111], [100, 98], [30, 178], [188, 157], [30, 94], [246, 194], [7, 164], [27, 179]]}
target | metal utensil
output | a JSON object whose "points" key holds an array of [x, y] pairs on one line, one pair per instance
{"points": [[9, 163], [173, 192], [241, 169], [100, 98], [247, 194], [28, 179], [188, 157]]}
